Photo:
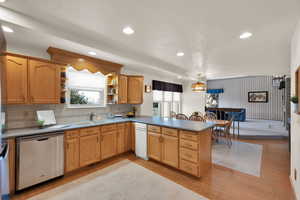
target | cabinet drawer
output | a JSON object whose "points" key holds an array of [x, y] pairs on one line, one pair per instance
{"points": [[72, 134], [189, 144], [188, 135], [170, 131], [89, 131], [107, 128], [189, 155], [154, 128], [188, 167]]}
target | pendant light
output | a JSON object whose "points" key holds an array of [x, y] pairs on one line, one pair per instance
{"points": [[200, 85]]}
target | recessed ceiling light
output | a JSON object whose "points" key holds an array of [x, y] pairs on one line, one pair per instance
{"points": [[2, 1], [7, 29], [180, 54], [179, 77], [128, 30], [92, 53], [245, 35]]}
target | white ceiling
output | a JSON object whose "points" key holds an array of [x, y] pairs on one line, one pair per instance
{"points": [[206, 31]]}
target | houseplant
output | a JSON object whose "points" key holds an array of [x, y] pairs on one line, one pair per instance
{"points": [[294, 100]]}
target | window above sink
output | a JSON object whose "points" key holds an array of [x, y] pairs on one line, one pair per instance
{"points": [[85, 89]]}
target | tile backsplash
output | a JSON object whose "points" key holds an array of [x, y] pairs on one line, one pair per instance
{"points": [[24, 116]]}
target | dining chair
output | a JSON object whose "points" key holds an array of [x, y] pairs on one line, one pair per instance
{"points": [[181, 116], [173, 114], [210, 116], [225, 133], [196, 118]]}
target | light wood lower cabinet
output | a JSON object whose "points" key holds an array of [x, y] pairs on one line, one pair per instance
{"points": [[121, 140], [72, 154], [184, 150], [128, 137], [162, 147], [108, 144], [71, 150], [89, 149], [170, 150], [154, 146]]}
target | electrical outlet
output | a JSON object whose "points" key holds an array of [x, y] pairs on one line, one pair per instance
{"points": [[295, 174]]}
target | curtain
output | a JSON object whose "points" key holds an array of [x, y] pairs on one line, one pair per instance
{"points": [[165, 86], [85, 79]]}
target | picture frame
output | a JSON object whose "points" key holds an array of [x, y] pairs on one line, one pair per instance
{"points": [[258, 97]]}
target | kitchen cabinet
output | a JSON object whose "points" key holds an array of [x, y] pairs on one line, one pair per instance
{"points": [[132, 133], [71, 150], [135, 89], [44, 82], [121, 138], [170, 150], [154, 146], [32, 80], [122, 87], [108, 144], [16, 80], [89, 146], [128, 139]]}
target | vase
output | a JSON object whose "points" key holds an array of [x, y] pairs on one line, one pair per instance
{"points": [[294, 107]]}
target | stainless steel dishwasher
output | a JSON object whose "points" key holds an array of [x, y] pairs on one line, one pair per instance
{"points": [[39, 158]]}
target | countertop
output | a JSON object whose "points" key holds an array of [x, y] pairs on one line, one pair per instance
{"points": [[166, 122]]}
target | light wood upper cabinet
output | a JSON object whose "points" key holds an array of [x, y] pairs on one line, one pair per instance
{"points": [[71, 154], [122, 93], [154, 146], [170, 150], [16, 80], [108, 144], [44, 82], [135, 89]]}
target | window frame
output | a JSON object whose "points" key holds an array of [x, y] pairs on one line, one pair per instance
{"points": [[68, 96]]}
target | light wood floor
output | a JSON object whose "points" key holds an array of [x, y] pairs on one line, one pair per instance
{"points": [[220, 183]]}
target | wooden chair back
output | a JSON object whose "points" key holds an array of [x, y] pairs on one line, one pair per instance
{"points": [[181, 116], [210, 116], [197, 118], [173, 114]]}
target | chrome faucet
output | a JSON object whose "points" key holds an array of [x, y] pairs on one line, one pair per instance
{"points": [[92, 115]]}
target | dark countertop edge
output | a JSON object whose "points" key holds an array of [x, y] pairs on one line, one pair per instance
{"points": [[122, 120]]}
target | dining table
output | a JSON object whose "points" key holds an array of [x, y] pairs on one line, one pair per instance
{"points": [[222, 123]]}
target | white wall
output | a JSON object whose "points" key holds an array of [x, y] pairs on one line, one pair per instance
{"points": [[295, 124], [236, 96], [192, 101], [146, 108]]}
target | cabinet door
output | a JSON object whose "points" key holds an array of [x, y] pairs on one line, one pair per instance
{"points": [[89, 149], [44, 82], [127, 137], [154, 146], [122, 86], [121, 140], [108, 144], [132, 134], [16, 80], [72, 154], [135, 89], [170, 150]]}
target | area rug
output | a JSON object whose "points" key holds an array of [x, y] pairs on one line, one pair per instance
{"points": [[122, 181], [243, 157]]}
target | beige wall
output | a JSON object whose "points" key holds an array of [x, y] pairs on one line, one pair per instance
{"points": [[295, 124]]}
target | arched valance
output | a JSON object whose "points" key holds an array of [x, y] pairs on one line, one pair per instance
{"points": [[81, 62]]}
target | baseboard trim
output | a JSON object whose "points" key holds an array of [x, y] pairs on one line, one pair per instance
{"points": [[293, 188], [263, 137]]}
